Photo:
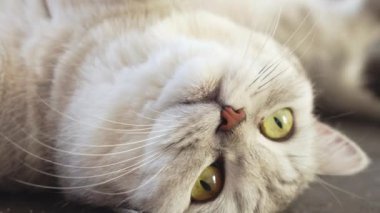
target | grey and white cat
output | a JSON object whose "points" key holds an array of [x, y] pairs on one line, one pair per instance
{"points": [[128, 103]]}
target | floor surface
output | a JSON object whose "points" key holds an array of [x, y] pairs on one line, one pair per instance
{"points": [[355, 194]]}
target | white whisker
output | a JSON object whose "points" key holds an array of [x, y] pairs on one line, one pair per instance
{"points": [[271, 35], [115, 145], [90, 176], [121, 123], [279, 59], [87, 124], [341, 190], [297, 29], [164, 113], [93, 155], [84, 186], [129, 191], [60, 164], [332, 194]]}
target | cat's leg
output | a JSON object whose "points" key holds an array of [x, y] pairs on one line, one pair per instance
{"points": [[336, 52], [352, 85], [374, 7]]}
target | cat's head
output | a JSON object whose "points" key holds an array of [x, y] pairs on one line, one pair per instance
{"points": [[208, 100]]}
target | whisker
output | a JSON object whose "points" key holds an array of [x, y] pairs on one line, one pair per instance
{"points": [[122, 123], [147, 118], [86, 124], [115, 145], [297, 46], [277, 21], [247, 47], [273, 78], [142, 185], [34, 155], [58, 163], [91, 176], [320, 180], [264, 68], [164, 113], [131, 190], [332, 194], [297, 29], [43, 101], [260, 88], [92, 155], [270, 72], [83, 186], [20, 128], [308, 34], [341, 115], [270, 35]]}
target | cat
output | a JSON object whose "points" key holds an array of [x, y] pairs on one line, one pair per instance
{"points": [[179, 106]]}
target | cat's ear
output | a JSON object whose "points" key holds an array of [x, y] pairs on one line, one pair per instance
{"points": [[337, 154]]}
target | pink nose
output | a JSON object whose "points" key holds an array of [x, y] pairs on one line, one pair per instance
{"points": [[231, 118]]}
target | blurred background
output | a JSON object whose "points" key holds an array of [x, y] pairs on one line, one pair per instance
{"points": [[356, 194]]}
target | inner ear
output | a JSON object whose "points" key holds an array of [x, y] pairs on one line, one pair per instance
{"points": [[337, 154]]}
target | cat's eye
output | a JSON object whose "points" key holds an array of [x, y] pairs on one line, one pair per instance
{"points": [[208, 185], [278, 126]]}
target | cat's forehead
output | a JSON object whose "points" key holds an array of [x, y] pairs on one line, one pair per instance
{"points": [[265, 84], [240, 67], [253, 81]]}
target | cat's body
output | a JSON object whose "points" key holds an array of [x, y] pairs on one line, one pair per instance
{"points": [[120, 101]]}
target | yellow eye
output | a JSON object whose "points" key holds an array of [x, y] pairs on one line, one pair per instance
{"points": [[279, 125], [208, 185]]}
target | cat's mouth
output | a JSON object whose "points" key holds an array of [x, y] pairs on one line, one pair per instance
{"points": [[210, 183]]}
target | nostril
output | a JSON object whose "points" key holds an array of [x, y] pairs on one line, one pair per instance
{"points": [[230, 118], [223, 121]]}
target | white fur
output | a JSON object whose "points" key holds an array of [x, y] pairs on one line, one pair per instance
{"points": [[126, 98]]}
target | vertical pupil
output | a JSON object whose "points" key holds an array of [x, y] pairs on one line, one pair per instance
{"points": [[278, 122], [205, 185]]}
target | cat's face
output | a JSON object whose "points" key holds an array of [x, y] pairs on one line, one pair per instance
{"points": [[260, 174], [180, 92]]}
